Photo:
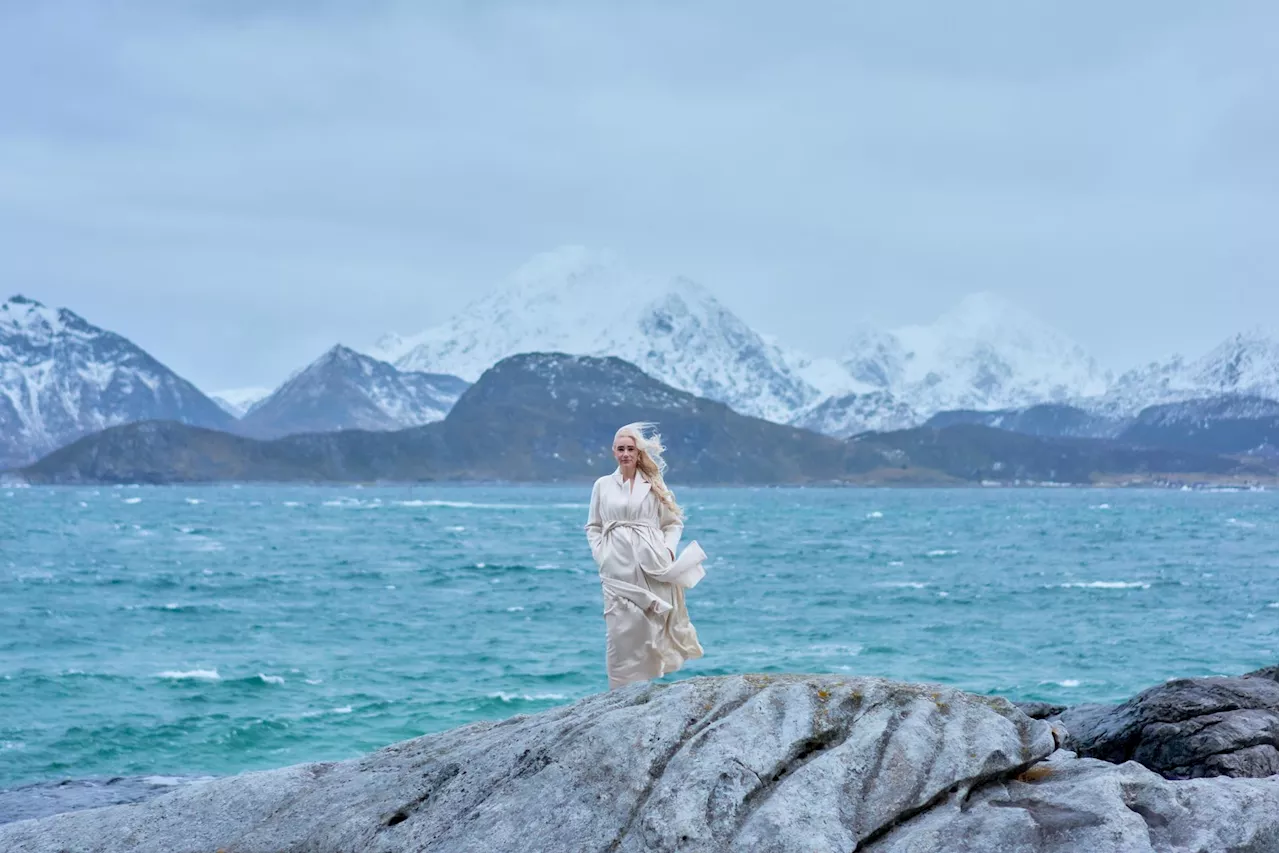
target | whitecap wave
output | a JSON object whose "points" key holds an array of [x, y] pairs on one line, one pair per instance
{"points": [[486, 505], [903, 584], [827, 650], [1105, 585], [270, 679], [942, 552], [876, 514], [353, 503], [191, 674], [133, 500], [528, 697]]}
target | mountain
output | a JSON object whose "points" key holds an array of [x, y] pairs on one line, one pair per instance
{"points": [[588, 303], [1055, 420], [850, 414], [238, 401], [1223, 424], [1246, 364], [550, 417], [974, 453], [62, 377], [344, 389], [529, 417], [983, 354]]}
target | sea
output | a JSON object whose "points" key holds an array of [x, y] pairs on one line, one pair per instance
{"points": [[191, 631]]}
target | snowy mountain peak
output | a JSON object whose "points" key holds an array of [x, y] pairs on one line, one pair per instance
{"points": [[986, 312], [20, 315], [1247, 363], [62, 377], [344, 389], [339, 354], [586, 302], [983, 353], [565, 265]]}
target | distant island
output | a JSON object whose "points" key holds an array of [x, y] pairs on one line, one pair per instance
{"points": [[547, 417]]}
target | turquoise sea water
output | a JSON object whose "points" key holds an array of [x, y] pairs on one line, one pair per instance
{"points": [[194, 630]]}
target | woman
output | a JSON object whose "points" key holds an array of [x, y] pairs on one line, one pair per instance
{"points": [[634, 526]]}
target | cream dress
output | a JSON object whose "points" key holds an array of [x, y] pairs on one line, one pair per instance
{"points": [[633, 536]]}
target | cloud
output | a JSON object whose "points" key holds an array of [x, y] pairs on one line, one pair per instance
{"points": [[237, 186]]}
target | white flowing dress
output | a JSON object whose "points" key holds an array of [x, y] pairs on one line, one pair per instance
{"points": [[633, 537]]}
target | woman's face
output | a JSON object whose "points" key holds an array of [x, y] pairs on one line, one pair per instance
{"points": [[624, 450]]}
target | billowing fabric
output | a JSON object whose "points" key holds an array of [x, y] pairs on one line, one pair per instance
{"points": [[633, 537]]}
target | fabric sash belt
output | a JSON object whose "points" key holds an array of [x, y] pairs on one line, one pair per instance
{"points": [[684, 571], [610, 526]]}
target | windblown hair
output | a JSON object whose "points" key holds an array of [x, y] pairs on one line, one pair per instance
{"points": [[649, 461]]}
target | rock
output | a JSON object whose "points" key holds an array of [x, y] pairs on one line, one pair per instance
{"points": [[1271, 672], [49, 798], [1039, 710], [1068, 804], [735, 763], [1186, 728]]}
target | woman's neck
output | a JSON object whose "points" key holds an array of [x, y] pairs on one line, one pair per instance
{"points": [[628, 473]]}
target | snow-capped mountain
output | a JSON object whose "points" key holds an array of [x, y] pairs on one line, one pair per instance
{"points": [[849, 414], [985, 353], [62, 377], [1246, 364], [238, 401], [583, 302], [344, 389]]}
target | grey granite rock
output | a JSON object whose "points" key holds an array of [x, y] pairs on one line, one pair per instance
{"points": [[49, 798], [1039, 710], [758, 763], [1068, 804], [1186, 728]]}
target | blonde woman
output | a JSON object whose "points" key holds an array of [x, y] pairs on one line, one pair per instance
{"points": [[634, 527]]}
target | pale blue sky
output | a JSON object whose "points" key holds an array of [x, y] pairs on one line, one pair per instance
{"points": [[236, 186]]}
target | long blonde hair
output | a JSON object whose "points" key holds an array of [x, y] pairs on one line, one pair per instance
{"points": [[649, 461]]}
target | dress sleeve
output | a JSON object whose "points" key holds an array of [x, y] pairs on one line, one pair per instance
{"points": [[671, 526], [595, 526]]}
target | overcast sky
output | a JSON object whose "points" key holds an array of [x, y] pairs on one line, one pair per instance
{"points": [[238, 185]]}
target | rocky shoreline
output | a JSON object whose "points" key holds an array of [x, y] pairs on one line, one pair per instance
{"points": [[755, 762]]}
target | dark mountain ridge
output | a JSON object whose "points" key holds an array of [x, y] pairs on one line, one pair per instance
{"points": [[550, 417]]}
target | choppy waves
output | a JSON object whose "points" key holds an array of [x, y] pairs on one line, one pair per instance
{"points": [[223, 629]]}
